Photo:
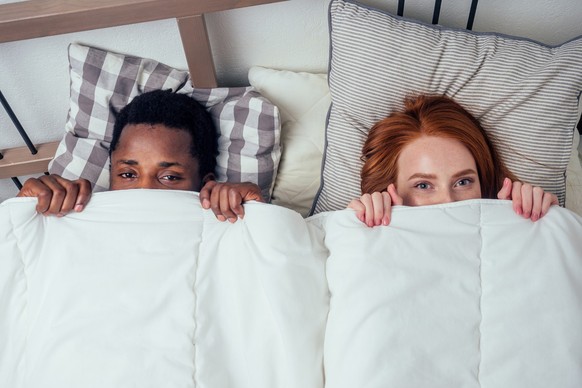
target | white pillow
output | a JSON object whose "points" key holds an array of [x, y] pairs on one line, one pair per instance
{"points": [[303, 100]]}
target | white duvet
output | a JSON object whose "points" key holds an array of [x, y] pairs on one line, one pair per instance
{"points": [[145, 289]]}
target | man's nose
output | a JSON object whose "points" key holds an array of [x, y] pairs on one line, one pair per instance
{"points": [[147, 183]]}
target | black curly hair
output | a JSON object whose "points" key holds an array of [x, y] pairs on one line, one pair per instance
{"points": [[173, 110]]}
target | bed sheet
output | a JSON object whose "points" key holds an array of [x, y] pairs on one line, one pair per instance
{"points": [[457, 295], [145, 288]]}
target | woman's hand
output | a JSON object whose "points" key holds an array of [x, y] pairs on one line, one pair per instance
{"points": [[57, 195], [376, 208], [528, 201], [226, 199]]}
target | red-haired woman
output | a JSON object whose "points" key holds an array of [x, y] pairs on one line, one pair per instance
{"points": [[432, 152]]}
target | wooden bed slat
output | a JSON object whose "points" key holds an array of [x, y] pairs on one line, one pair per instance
{"points": [[19, 161], [198, 51], [38, 18]]}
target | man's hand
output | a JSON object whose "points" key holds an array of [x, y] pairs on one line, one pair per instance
{"points": [[226, 199], [56, 195]]}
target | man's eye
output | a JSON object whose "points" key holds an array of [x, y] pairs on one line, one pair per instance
{"points": [[127, 175], [171, 178]]}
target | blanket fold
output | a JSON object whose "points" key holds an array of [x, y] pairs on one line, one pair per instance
{"points": [[145, 288]]}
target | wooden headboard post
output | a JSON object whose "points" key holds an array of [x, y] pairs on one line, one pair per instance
{"points": [[198, 51], [39, 18]]}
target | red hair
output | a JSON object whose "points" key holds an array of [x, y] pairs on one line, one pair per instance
{"points": [[437, 116]]}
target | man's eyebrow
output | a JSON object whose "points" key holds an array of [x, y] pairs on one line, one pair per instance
{"points": [[131, 162], [169, 164]]}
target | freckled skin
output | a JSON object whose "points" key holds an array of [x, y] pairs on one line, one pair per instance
{"points": [[434, 170]]}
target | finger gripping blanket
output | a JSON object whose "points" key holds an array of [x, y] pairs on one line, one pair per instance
{"points": [[144, 288]]}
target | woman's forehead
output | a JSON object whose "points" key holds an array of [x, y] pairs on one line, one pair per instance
{"points": [[433, 154]]}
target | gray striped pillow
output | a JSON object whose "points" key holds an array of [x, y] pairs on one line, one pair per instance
{"points": [[248, 124], [524, 93]]}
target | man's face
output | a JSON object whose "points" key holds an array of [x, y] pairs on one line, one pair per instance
{"points": [[154, 157]]}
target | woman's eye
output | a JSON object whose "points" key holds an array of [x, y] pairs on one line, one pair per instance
{"points": [[422, 186], [464, 182]]}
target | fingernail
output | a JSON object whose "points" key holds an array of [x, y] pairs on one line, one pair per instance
{"points": [[535, 217], [78, 208], [205, 203], [232, 220], [221, 218]]}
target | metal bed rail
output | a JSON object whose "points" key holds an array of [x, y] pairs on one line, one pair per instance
{"points": [[437, 12]]}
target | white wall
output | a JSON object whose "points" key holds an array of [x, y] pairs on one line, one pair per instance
{"points": [[291, 35]]}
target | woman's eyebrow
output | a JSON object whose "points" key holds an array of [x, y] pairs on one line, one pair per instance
{"points": [[422, 176], [468, 171]]}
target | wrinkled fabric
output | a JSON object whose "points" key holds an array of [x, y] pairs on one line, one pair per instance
{"points": [[145, 288]]}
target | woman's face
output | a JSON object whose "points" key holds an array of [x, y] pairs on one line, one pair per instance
{"points": [[434, 170], [154, 157]]}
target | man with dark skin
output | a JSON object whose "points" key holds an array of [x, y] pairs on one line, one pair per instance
{"points": [[161, 140]]}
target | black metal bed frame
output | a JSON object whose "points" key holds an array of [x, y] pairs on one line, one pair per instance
{"points": [[400, 12], [470, 20], [437, 12], [21, 131]]}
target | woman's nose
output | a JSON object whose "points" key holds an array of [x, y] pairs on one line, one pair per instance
{"points": [[446, 197]]}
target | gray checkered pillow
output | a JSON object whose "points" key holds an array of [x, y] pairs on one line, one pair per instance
{"points": [[248, 124], [524, 93], [249, 143]]}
